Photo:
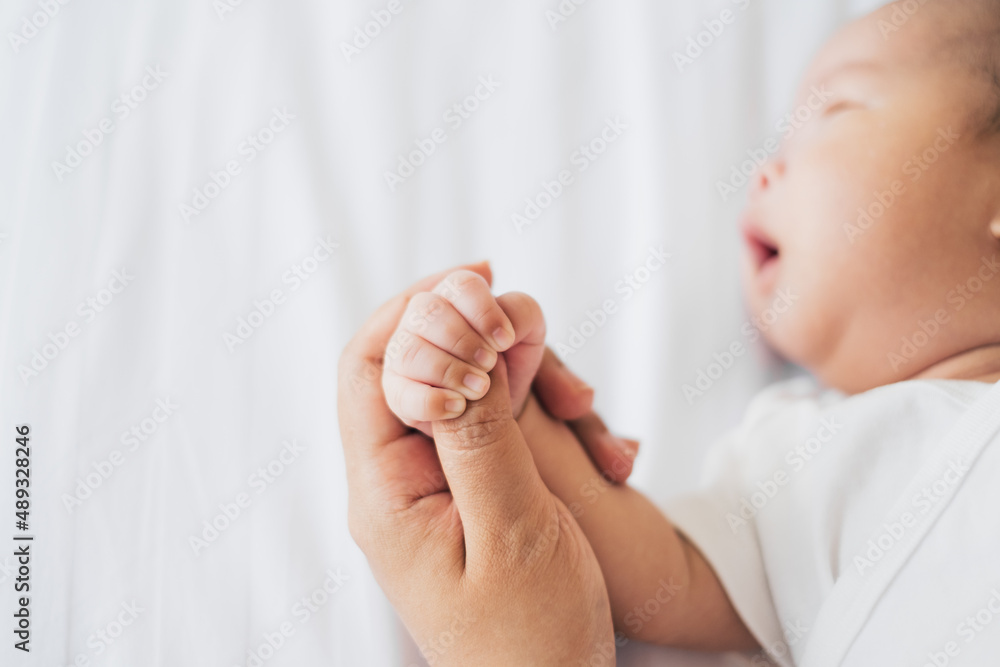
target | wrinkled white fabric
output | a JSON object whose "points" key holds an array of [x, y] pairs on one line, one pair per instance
{"points": [[859, 530], [213, 157]]}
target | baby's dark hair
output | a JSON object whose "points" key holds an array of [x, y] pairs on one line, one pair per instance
{"points": [[977, 44], [967, 34], [992, 125], [988, 55]]}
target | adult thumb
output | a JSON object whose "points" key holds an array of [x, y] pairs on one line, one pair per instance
{"points": [[493, 479]]}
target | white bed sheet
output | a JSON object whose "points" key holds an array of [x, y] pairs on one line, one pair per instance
{"points": [[198, 79]]}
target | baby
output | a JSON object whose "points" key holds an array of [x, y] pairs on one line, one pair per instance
{"points": [[854, 524]]}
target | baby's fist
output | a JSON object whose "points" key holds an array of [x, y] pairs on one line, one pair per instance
{"points": [[447, 343]]}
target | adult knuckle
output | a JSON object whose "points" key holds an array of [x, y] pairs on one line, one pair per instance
{"points": [[376, 524], [348, 363], [354, 374], [481, 426], [535, 543]]}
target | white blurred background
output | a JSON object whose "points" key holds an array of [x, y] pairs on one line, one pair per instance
{"points": [[129, 255]]}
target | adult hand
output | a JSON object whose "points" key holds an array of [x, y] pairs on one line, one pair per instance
{"points": [[484, 565], [566, 397], [465, 294]]}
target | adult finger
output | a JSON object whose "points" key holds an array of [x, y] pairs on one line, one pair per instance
{"points": [[612, 455], [498, 492], [562, 394], [565, 396], [365, 420]]}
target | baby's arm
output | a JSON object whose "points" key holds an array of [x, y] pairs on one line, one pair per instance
{"points": [[662, 589], [456, 332]]}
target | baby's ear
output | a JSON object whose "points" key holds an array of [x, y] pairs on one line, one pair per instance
{"points": [[995, 227]]}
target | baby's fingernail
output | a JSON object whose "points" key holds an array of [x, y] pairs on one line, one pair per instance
{"points": [[475, 383], [454, 407], [503, 338], [483, 357]]}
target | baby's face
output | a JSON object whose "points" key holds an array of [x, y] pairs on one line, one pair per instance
{"points": [[878, 207]]}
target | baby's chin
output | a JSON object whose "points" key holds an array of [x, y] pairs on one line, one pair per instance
{"points": [[847, 369], [789, 343]]}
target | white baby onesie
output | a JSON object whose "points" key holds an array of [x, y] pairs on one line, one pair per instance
{"points": [[859, 530]]}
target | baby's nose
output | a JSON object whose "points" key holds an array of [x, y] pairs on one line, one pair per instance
{"points": [[769, 174]]}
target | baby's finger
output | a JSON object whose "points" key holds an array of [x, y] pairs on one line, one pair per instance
{"points": [[421, 361], [471, 296], [416, 402], [434, 318]]}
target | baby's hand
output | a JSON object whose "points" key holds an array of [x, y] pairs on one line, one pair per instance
{"points": [[449, 340]]}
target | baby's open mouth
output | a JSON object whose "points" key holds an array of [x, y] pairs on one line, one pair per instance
{"points": [[763, 249]]}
